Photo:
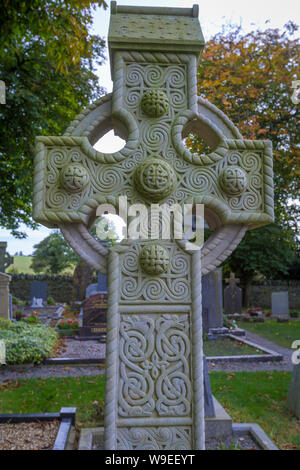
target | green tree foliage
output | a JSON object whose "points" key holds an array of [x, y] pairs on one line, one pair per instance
{"points": [[52, 255], [47, 61], [249, 77]]}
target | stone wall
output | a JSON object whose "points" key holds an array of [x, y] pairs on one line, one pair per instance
{"points": [[260, 293], [59, 287]]}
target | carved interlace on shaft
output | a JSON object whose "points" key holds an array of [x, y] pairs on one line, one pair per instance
{"points": [[158, 438], [154, 366]]}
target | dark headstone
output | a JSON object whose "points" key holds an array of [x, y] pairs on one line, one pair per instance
{"points": [[232, 297], [38, 289], [94, 311], [208, 399], [82, 277], [102, 282], [212, 301]]}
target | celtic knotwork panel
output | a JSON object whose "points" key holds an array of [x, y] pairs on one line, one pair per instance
{"points": [[154, 365], [173, 284], [160, 438]]}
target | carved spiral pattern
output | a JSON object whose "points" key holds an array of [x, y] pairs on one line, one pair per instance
{"points": [[171, 286]]}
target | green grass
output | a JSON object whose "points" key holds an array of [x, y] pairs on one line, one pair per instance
{"points": [[258, 397], [282, 334], [22, 264], [228, 347], [49, 395]]}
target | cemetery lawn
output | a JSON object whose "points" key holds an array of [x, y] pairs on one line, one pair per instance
{"points": [[257, 397], [228, 347], [43, 395], [282, 334]]}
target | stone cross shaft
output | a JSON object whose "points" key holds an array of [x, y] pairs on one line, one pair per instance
{"points": [[154, 363]]}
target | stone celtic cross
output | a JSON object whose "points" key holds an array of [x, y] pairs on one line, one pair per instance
{"points": [[154, 362]]}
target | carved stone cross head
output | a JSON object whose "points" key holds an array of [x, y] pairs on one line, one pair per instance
{"points": [[154, 105], [154, 361]]}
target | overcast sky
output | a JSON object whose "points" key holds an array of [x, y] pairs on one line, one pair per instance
{"points": [[212, 15]]}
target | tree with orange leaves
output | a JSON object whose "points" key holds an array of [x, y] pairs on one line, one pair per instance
{"points": [[249, 77]]}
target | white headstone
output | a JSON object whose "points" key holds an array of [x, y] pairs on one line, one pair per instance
{"points": [[37, 303]]}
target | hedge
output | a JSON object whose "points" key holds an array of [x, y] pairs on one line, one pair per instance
{"points": [[27, 343]]}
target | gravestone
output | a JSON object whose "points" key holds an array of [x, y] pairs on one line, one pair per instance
{"points": [[5, 259], [94, 311], [82, 277], [212, 300], [38, 290], [293, 398], [4, 296], [232, 296], [155, 396], [280, 305], [98, 287]]}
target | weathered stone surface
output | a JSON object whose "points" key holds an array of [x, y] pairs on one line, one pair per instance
{"points": [[261, 292], [212, 300], [280, 304], [232, 297], [154, 375]]}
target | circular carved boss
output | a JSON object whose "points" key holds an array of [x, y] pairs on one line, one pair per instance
{"points": [[154, 179], [154, 103], [74, 177], [154, 259], [233, 180]]}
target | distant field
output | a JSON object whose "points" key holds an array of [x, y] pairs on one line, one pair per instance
{"points": [[22, 266]]}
